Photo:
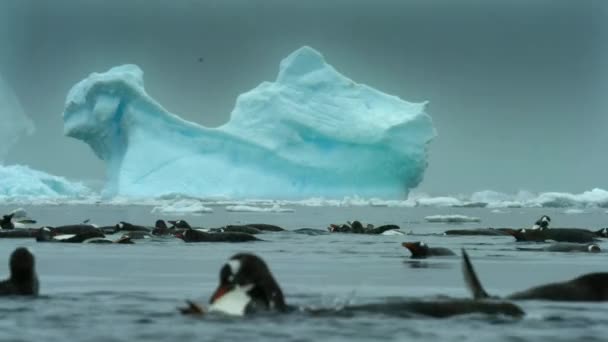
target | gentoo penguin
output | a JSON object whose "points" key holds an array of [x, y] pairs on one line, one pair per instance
{"points": [[161, 229], [7, 222], [266, 227], [236, 229], [421, 250], [48, 234], [575, 235], [123, 226], [542, 222], [246, 286], [17, 218], [602, 232], [591, 287], [180, 224], [23, 280], [193, 235]]}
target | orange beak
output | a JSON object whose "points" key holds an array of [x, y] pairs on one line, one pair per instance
{"points": [[219, 293], [411, 246]]}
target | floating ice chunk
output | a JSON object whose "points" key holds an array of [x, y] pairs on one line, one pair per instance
{"points": [[247, 208], [574, 211], [439, 202], [312, 132], [21, 182], [182, 207], [593, 198], [451, 219], [498, 211]]}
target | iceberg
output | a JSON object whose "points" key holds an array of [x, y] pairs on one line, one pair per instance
{"points": [[312, 132]]}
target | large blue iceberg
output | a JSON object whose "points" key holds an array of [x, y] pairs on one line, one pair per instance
{"points": [[312, 132]]}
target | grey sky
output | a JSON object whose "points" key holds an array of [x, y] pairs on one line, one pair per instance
{"points": [[517, 89]]}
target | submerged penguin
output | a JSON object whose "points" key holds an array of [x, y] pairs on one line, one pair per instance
{"points": [[591, 287]]}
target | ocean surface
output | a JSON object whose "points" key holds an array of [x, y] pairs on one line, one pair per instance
{"points": [[132, 292]]}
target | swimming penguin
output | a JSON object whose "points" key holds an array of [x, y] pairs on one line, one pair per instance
{"points": [[180, 224], [161, 229], [602, 233], [591, 287], [309, 231], [7, 222], [575, 235], [542, 222], [382, 230], [75, 229], [193, 235], [50, 234], [566, 247], [12, 221], [266, 227], [236, 229], [421, 250], [128, 227], [23, 280], [356, 227], [247, 286]]}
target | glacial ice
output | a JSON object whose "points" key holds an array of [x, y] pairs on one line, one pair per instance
{"points": [[20, 183], [312, 132]]}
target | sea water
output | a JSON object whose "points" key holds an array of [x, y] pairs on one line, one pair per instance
{"points": [[132, 292]]}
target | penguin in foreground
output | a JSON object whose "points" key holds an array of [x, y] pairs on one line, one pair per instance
{"points": [[247, 286]]}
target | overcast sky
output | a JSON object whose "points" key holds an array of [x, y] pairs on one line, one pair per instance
{"points": [[517, 89]]}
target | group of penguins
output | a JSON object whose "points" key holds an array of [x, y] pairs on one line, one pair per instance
{"points": [[247, 285]]}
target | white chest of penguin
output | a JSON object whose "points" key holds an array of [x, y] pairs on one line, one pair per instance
{"points": [[233, 303]]}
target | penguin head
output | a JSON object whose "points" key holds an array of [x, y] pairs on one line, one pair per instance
{"points": [[22, 264], [418, 249], [246, 284]]}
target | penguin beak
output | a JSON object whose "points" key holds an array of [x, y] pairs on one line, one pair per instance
{"points": [[411, 246], [220, 292], [179, 235]]}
